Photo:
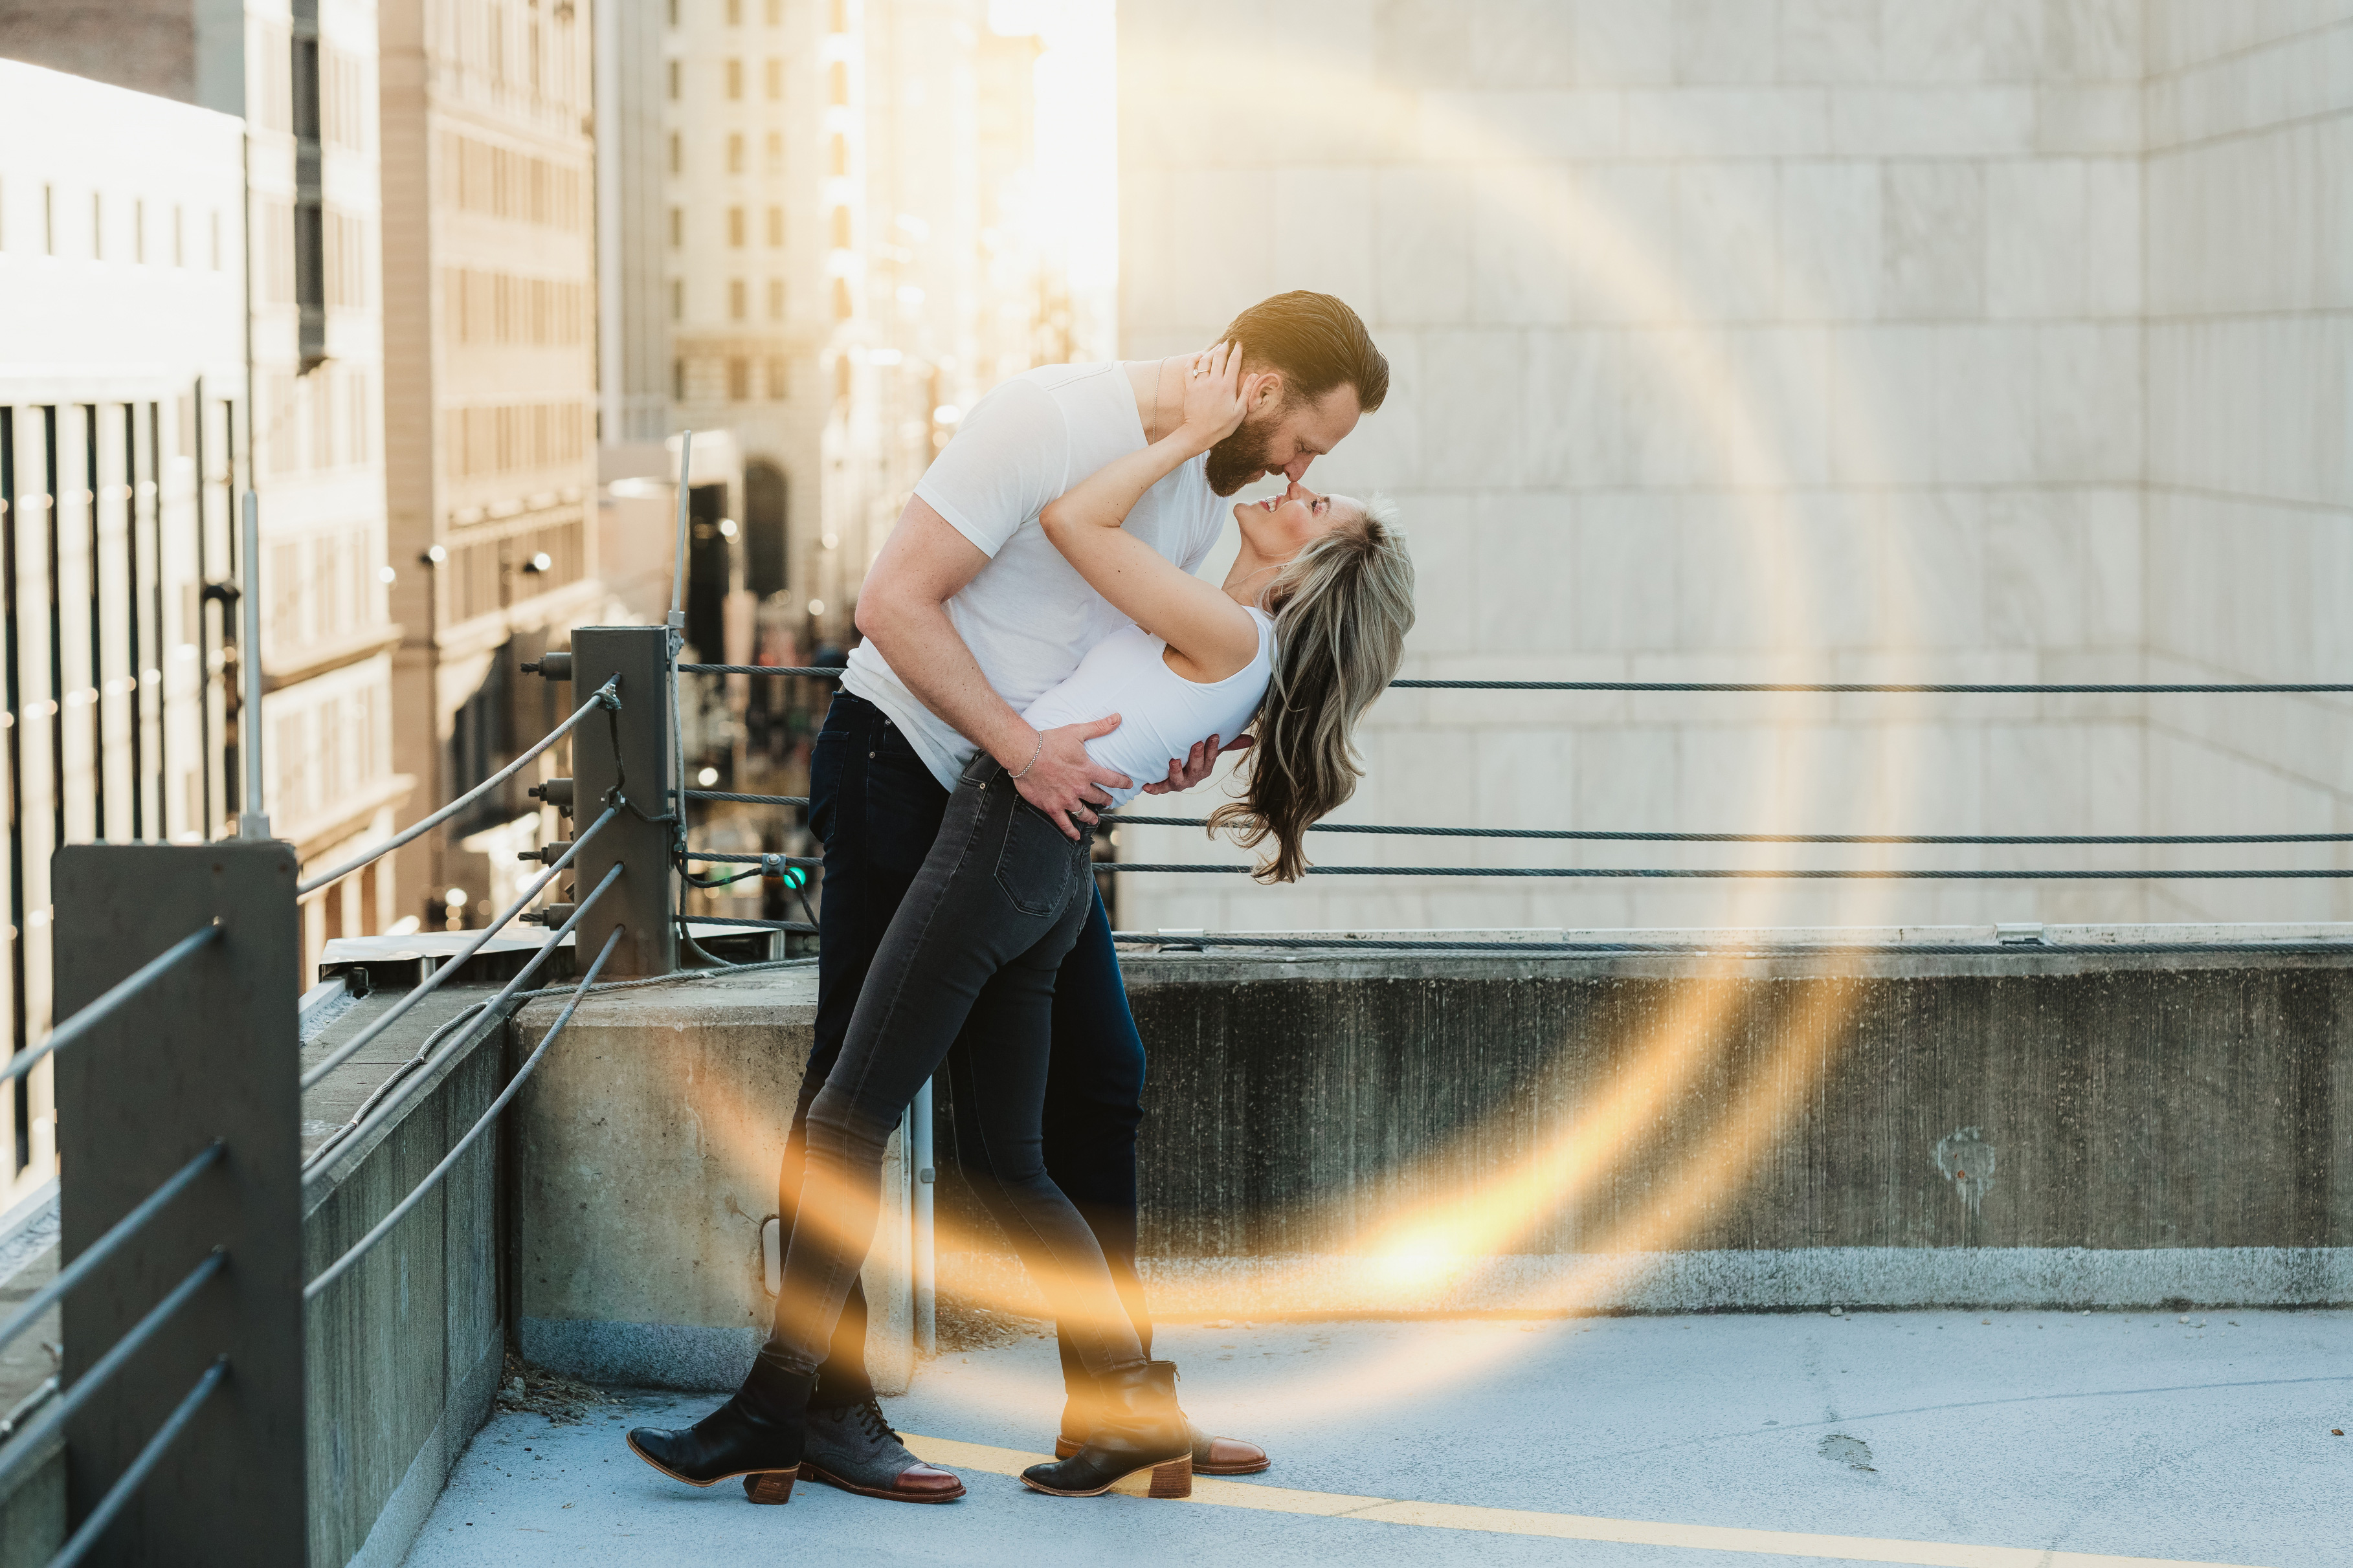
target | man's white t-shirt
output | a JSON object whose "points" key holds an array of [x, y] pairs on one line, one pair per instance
{"points": [[1028, 616]]}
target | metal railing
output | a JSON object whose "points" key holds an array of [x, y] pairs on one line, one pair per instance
{"points": [[181, 1083]]}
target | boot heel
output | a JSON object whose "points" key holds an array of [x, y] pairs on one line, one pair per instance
{"points": [[1172, 1480], [773, 1486]]}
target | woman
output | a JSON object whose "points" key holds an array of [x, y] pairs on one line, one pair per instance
{"points": [[1304, 633]]}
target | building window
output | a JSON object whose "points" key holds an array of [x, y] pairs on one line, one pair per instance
{"points": [[735, 79], [675, 71], [673, 12], [735, 13], [776, 13], [839, 20], [739, 380], [677, 227], [775, 151], [840, 74], [841, 228], [735, 227], [678, 298], [735, 299], [776, 79], [841, 153], [678, 381], [779, 378], [735, 154], [677, 158], [841, 300], [776, 298], [776, 228]]}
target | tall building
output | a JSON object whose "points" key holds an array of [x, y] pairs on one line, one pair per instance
{"points": [[306, 428], [491, 314], [814, 274]]}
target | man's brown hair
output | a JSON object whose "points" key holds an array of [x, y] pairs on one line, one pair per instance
{"points": [[1317, 342]]}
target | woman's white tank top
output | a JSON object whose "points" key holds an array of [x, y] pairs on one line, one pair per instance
{"points": [[1162, 715]]}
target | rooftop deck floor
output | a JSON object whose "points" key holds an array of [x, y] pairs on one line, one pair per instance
{"points": [[1634, 1441]]}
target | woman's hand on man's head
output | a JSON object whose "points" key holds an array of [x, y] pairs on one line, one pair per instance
{"points": [[1218, 396]]}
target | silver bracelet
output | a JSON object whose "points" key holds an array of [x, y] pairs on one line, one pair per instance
{"points": [[1033, 757]]}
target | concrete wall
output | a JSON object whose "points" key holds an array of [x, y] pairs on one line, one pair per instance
{"points": [[404, 1352], [1444, 1134], [648, 1144], [1831, 338]]}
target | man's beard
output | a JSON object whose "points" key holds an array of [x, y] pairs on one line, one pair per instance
{"points": [[1242, 455]]}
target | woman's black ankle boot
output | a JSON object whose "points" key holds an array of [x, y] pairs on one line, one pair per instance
{"points": [[756, 1436], [1140, 1429]]}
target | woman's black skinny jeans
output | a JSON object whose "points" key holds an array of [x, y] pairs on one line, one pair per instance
{"points": [[979, 936]]}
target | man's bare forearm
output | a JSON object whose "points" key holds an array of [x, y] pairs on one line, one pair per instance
{"points": [[931, 660]]}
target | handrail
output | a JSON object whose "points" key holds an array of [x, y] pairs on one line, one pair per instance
{"points": [[105, 1246], [1598, 835], [597, 700], [20, 1452], [351, 1047], [127, 1484], [122, 991], [1825, 688], [1858, 688], [368, 1117], [383, 1227], [1762, 874]]}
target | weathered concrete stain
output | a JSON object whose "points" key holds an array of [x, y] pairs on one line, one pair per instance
{"points": [[1967, 1160]]}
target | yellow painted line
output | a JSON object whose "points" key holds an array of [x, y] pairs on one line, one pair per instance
{"points": [[1217, 1493]]}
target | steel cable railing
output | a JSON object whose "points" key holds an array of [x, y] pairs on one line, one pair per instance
{"points": [[387, 1100], [450, 965], [1844, 687], [105, 1246], [1597, 836], [21, 1450], [129, 1482], [417, 1194], [1722, 946], [606, 696], [1757, 874], [97, 1010]]}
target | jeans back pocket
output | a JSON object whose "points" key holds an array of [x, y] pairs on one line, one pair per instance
{"points": [[1035, 863]]}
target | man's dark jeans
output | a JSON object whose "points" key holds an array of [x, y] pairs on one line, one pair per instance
{"points": [[876, 809]]}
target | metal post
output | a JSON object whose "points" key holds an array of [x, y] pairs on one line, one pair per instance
{"points": [[252, 822], [207, 1050], [919, 1266], [678, 576], [639, 656]]}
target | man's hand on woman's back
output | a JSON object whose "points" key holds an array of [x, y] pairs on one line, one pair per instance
{"points": [[1065, 781]]}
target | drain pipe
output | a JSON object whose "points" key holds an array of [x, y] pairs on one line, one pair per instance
{"points": [[920, 1263]]}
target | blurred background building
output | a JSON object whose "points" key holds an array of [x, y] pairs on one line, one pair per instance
{"points": [[491, 310], [1824, 340], [812, 259]]}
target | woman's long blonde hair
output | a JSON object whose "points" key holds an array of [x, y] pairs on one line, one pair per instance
{"points": [[1340, 607]]}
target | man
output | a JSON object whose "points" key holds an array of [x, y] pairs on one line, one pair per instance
{"points": [[969, 614]]}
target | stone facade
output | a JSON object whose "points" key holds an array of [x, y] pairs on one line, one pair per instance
{"points": [[1830, 339]]}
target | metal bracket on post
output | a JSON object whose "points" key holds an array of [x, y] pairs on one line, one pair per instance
{"points": [[209, 1050], [641, 900]]}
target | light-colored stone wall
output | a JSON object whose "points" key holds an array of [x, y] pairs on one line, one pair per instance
{"points": [[1737, 341], [2250, 493]]}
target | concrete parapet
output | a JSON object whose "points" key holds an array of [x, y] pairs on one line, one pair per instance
{"points": [[650, 1144], [1411, 1132], [404, 1352]]}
